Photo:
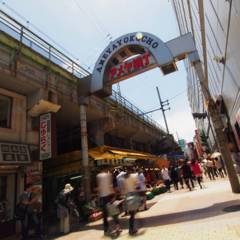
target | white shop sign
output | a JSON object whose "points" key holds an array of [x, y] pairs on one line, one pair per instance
{"points": [[45, 136]]}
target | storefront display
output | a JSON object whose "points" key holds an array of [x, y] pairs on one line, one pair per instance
{"points": [[7, 204]]}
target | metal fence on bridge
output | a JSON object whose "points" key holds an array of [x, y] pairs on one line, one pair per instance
{"points": [[136, 111], [39, 45]]}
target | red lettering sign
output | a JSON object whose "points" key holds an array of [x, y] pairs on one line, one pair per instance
{"points": [[45, 136], [132, 67]]}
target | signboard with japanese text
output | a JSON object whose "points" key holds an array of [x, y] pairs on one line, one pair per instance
{"points": [[45, 136], [132, 67], [14, 153]]}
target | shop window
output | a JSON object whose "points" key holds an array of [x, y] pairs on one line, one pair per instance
{"points": [[5, 111]]}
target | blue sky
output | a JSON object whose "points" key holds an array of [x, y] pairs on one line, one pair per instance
{"points": [[84, 28]]}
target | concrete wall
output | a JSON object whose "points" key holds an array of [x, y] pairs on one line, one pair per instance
{"points": [[17, 132]]}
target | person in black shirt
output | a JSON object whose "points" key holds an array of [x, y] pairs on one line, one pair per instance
{"points": [[187, 174], [174, 176]]}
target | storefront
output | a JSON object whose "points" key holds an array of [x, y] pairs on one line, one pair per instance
{"points": [[7, 203], [14, 158]]}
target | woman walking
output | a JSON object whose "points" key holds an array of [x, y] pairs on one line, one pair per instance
{"points": [[197, 171]]}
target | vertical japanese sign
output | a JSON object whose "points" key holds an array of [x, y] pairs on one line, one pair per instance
{"points": [[45, 136]]}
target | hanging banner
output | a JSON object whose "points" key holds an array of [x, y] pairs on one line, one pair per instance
{"points": [[47, 136]]}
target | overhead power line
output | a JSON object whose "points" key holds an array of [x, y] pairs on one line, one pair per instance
{"points": [[96, 22], [178, 94], [100, 28]]}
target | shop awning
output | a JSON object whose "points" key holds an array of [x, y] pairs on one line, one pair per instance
{"points": [[107, 152], [68, 163]]}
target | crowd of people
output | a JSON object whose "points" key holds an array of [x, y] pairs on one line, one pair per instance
{"points": [[188, 173], [123, 190], [119, 190]]}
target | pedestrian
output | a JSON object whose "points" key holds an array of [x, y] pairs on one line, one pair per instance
{"points": [[197, 171], [120, 179], [22, 211], [141, 187], [27, 212], [166, 178], [120, 188], [106, 195], [174, 175], [64, 203], [132, 199], [180, 175], [215, 171], [210, 170], [187, 174], [219, 167]]}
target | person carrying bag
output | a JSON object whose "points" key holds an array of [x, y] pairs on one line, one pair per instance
{"points": [[132, 198]]}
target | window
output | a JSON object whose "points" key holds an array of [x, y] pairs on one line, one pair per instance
{"points": [[5, 111]]}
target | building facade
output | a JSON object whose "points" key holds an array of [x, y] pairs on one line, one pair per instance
{"points": [[214, 26], [19, 163]]}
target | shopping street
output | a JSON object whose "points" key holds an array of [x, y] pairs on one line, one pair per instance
{"points": [[210, 213]]}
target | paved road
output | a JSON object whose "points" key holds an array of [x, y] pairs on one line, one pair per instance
{"points": [[209, 213]]}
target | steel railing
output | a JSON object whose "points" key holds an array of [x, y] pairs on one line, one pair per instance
{"points": [[28, 38], [39, 45], [136, 111]]}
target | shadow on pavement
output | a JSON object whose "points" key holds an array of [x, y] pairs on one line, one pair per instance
{"points": [[191, 215], [172, 218]]}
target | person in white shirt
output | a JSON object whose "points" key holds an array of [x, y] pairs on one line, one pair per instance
{"points": [[106, 195], [166, 178], [120, 180], [142, 187], [130, 186]]}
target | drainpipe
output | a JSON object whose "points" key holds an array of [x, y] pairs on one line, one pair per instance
{"points": [[203, 36]]}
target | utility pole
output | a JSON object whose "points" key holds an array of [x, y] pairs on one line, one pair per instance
{"points": [[84, 148], [163, 104]]}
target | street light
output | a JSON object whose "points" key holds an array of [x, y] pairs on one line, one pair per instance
{"points": [[139, 36]]}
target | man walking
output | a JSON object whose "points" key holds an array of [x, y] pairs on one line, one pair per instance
{"points": [[106, 195], [166, 178], [132, 198]]}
